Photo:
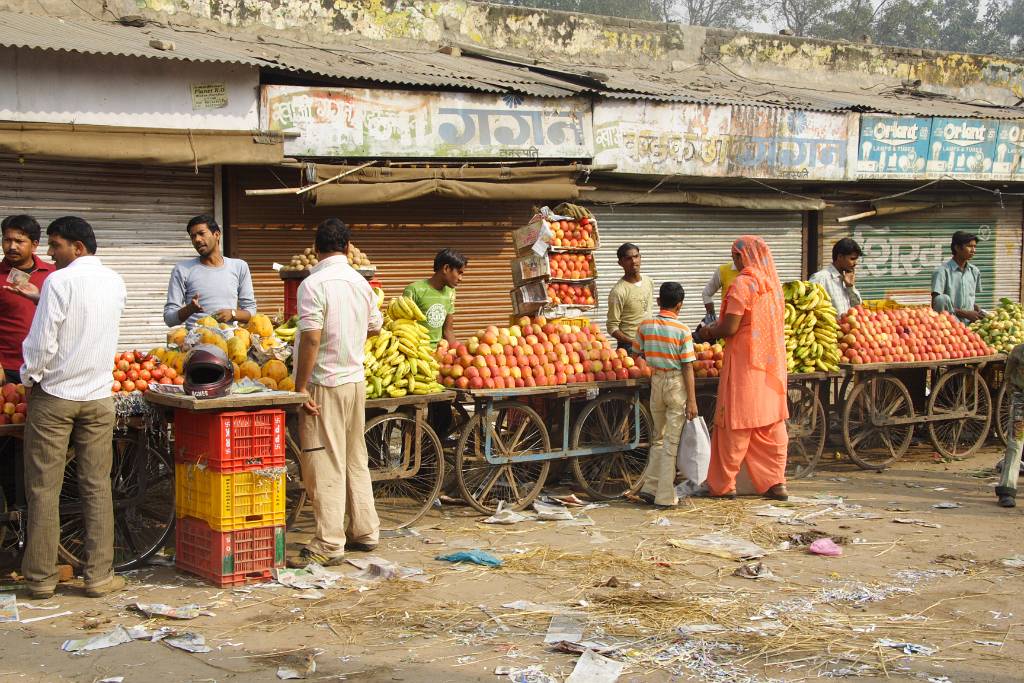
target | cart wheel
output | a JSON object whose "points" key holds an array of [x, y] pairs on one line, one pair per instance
{"points": [[403, 489], [142, 488], [605, 421], [294, 491], [807, 427], [1003, 416], [960, 390], [707, 403], [516, 430], [871, 445]]}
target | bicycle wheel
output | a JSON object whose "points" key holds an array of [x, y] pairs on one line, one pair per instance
{"points": [[606, 421], [404, 486], [807, 427], [142, 489]]}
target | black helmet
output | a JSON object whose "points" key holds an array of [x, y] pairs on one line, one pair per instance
{"points": [[208, 372]]}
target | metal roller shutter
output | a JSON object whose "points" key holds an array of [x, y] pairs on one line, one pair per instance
{"points": [[139, 215], [901, 251], [686, 244], [401, 240]]}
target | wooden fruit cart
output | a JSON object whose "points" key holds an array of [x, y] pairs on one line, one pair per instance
{"points": [[405, 455], [506, 446], [882, 403]]}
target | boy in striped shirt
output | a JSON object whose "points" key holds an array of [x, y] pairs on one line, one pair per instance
{"points": [[667, 345]]}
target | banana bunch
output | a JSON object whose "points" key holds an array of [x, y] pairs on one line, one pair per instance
{"points": [[812, 333], [399, 360], [573, 211], [287, 331]]}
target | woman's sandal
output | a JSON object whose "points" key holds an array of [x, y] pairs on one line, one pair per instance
{"points": [[777, 492]]}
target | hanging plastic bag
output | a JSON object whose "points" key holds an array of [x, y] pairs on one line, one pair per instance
{"points": [[693, 456]]}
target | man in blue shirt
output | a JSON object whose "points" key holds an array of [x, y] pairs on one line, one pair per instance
{"points": [[957, 281]]}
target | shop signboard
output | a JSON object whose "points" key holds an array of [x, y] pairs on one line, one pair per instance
{"points": [[659, 138], [962, 147], [358, 122], [1009, 151], [900, 257], [893, 146]]}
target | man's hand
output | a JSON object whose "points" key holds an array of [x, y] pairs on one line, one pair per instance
{"points": [[194, 306], [311, 407], [849, 278], [691, 410], [223, 316], [25, 289], [970, 316]]}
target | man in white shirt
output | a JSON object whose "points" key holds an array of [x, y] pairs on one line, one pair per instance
{"points": [[840, 277], [67, 354], [337, 310]]}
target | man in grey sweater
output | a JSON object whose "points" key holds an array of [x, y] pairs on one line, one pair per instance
{"points": [[211, 284]]}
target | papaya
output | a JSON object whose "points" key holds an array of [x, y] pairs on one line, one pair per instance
{"points": [[207, 321], [287, 384], [237, 351], [275, 369], [208, 336], [176, 337], [243, 335], [249, 369], [237, 370], [268, 382], [260, 324]]}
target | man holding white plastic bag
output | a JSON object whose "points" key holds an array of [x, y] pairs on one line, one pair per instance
{"points": [[667, 345]]}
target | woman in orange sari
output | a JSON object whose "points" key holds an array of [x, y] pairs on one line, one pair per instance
{"points": [[750, 418]]}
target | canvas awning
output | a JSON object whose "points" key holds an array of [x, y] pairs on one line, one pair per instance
{"points": [[350, 194], [159, 147], [736, 200]]}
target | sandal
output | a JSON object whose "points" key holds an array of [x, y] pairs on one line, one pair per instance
{"points": [[777, 492]]}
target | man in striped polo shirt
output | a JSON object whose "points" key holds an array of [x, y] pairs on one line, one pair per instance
{"points": [[667, 345]]}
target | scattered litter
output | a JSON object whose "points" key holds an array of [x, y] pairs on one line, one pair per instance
{"points": [[530, 674], [116, 637], [694, 629], [506, 516], [112, 679], [1013, 562], [8, 607], [917, 522], [721, 545], [404, 532], [476, 556], [989, 643], [912, 485], [581, 520], [939, 679], [29, 605], [613, 582], [774, 511], [939, 488], [947, 505], [662, 521], [313, 576], [160, 610], [142, 633], [564, 627], [805, 538], [311, 594], [593, 668], [597, 538], [821, 499], [896, 508], [527, 606], [1001, 615], [907, 648], [570, 500], [826, 547], [47, 616], [378, 569], [189, 642], [546, 511], [495, 618], [754, 570]]}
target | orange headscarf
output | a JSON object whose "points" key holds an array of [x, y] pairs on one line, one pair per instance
{"points": [[767, 308]]}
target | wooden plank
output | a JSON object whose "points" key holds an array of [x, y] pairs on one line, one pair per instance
{"points": [[15, 431], [263, 399], [401, 402], [560, 391], [949, 362]]}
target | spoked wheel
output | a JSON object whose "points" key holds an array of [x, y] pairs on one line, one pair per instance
{"points": [[516, 430], [607, 421], [142, 488], [870, 442], [707, 403], [406, 468], [807, 427], [294, 491], [960, 391], [1003, 418]]}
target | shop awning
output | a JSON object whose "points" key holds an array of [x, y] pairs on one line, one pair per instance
{"points": [[350, 194], [738, 200], [160, 147], [397, 174]]}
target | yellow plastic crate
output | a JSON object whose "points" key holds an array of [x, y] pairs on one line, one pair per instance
{"points": [[229, 502]]}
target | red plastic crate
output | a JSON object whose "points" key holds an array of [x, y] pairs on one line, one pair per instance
{"points": [[235, 441], [228, 558]]}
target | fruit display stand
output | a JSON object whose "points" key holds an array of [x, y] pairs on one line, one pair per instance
{"points": [[506, 447]]}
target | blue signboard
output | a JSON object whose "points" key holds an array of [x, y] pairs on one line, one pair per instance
{"points": [[1009, 150], [962, 147], [893, 146]]}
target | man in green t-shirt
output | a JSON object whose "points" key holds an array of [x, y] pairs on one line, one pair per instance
{"points": [[435, 296]]}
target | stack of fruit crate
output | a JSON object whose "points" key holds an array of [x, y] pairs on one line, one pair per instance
{"points": [[230, 494]]}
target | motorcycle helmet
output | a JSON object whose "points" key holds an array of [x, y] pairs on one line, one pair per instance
{"points": [[208, 372]]}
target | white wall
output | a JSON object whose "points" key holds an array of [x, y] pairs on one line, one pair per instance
{"points": [[64, 87]]}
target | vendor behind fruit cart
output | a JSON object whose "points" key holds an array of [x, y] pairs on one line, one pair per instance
{"points": [[956, 283], [720, 281], [839, 278], [211, 284], [20, 292], [631, 300], [435, 296]]}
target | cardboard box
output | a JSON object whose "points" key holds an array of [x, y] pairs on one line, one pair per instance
{"points": [[529, 298], [529, 268], [535, 236]]}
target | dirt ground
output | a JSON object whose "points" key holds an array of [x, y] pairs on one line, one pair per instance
{"points": [[667, 612]]}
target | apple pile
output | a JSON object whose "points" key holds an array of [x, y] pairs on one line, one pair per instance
{"points": [[136, 370], [12, 402], [572, 266], [572, 295], [535, 353], [574, 234], [709, 359], [908, 334]]}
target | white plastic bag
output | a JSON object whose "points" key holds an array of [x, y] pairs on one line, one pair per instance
{"points": [[694, 453]]}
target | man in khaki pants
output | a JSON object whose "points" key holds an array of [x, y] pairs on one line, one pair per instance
{"points": [[68, 354], [337, 310]]}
